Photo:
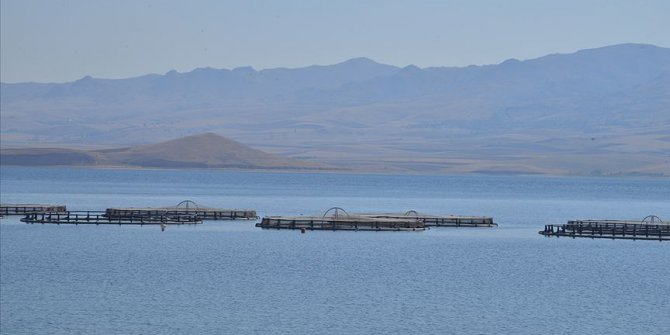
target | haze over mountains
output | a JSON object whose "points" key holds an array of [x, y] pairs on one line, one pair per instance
{"points": [[596, 111]]}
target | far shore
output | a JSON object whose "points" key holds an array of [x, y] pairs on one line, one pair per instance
{"points": [[338, 170]]}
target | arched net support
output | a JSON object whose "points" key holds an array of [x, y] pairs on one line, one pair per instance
{"points": [[336, 212], [412, 213], [652, 219], [187, 204]]}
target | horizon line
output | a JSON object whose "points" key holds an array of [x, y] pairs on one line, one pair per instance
{"points": [[364, 58]]}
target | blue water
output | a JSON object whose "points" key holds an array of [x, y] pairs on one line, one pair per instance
{"points": [[232, 278]]}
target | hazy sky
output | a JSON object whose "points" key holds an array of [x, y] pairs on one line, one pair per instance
{"points": [[59, 41]]}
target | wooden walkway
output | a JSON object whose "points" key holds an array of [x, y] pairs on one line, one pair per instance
{"points": [[98, 218], [341, 220], [186, 207], [441, 221], [612, 229], [350, 223], [22, 209]]}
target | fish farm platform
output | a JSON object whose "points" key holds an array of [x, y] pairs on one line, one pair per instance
{"points": [[185, 207], [650, 228], [341, 220], [22, 209], [98, 218], [441, 221]]}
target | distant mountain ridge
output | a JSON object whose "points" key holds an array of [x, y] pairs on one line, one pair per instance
{"points": [[239, 82], [552, 114]]}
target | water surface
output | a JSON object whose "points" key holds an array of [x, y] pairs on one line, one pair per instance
{"points": [[230, 277]]}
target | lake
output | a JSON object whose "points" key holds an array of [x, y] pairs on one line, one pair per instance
{"points": [[229, 277]]}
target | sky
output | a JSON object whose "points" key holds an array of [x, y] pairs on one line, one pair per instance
{"points": [[61, 40]]}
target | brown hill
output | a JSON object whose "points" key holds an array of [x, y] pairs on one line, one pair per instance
{"points": [[205, 150], [199, 151]]}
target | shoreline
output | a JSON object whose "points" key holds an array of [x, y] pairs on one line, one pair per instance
{"points": [[344, 171]]}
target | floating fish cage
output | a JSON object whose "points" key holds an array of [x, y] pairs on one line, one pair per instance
{"points": [[337, 218], [441, 221], [186, 207], [98, 218], [22, 209], [649, 228]]}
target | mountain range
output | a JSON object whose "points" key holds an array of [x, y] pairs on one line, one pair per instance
{"points": [[595, 111]]}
